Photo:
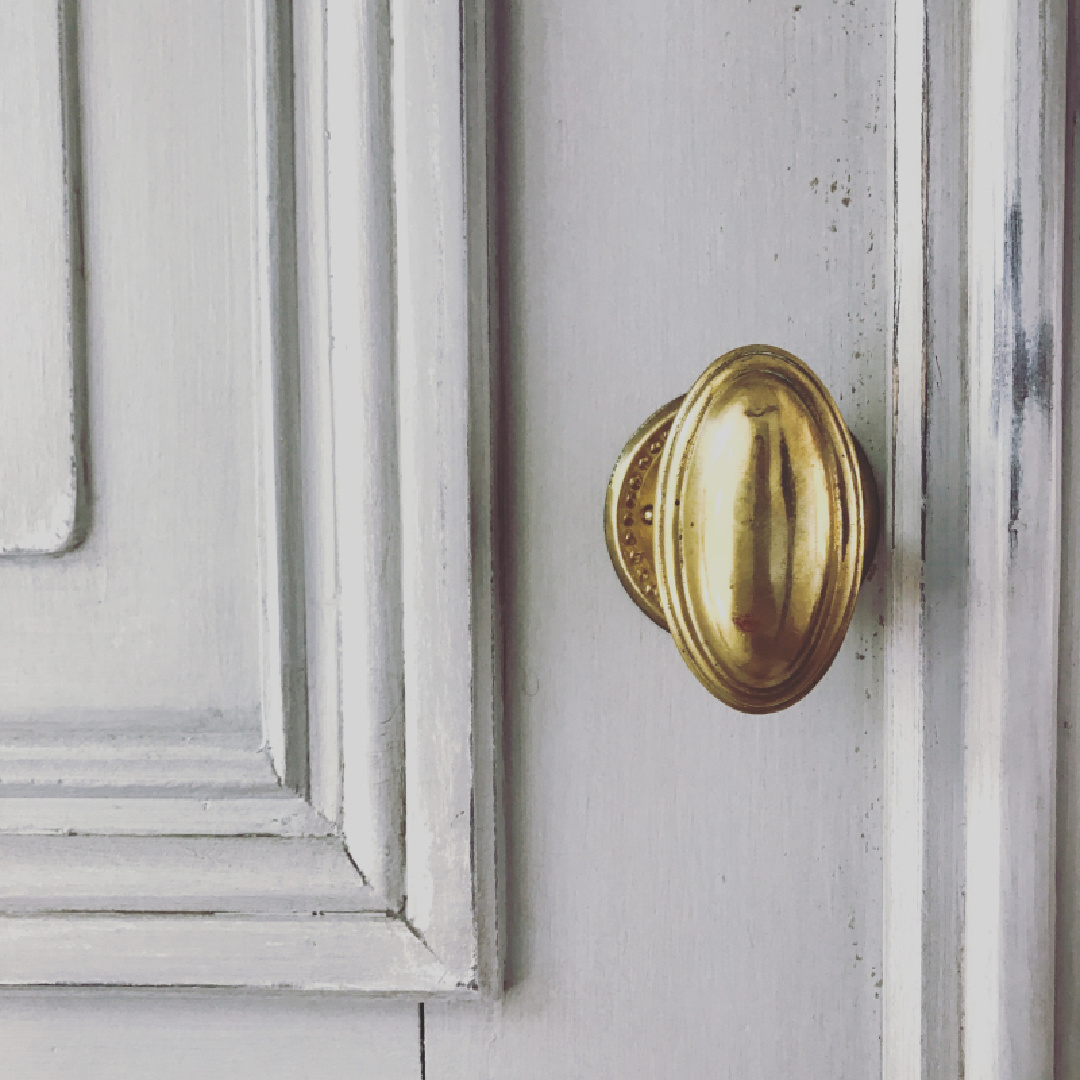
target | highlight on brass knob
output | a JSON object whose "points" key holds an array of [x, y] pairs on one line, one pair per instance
{"points": [[742, 518]]}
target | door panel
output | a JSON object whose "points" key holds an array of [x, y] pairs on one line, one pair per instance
{"points": [[691, 890], [687, 886], [38, 285], [159, 607]]}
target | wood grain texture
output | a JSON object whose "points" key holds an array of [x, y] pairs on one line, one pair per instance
{"points": [[40, 280], [689, 890]]}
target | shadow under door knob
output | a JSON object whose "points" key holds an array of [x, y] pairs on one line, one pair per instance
{"points": [[742, 518]]}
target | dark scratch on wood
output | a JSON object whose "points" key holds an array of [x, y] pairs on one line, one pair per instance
{"points": [[1031, 362]]}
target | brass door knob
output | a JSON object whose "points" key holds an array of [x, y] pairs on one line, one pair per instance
{"points": [[742, 518]]}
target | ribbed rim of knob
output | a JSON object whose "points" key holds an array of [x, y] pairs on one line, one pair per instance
{"points": [[629, 511]]}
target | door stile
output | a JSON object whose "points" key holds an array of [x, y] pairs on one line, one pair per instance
{"points": [[974, 528], [928, 526], [1015, 257], [904, 815], [1067, 958]]}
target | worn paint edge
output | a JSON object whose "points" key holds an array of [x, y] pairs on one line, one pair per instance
{"points": [[1016, 245], [902, 999], [275, 333]]}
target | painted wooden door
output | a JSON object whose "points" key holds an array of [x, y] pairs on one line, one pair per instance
{"points": [[689, 891], [693, 892]]}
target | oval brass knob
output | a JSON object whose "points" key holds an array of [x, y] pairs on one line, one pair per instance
{"points": [[742, 518]]}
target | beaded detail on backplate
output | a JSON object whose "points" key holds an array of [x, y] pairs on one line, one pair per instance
{"points": [[636, 501]]}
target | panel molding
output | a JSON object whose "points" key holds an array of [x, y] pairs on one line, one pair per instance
{"points": [[357, 953], [44, 503], [376, 324]]}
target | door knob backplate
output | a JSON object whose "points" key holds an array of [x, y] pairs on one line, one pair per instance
{"points": [[742, 518]]}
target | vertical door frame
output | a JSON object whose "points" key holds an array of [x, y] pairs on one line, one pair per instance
{"points": [[974, 538]]}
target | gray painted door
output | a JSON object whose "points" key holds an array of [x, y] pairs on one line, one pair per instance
{"points": [[691, 892]]}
